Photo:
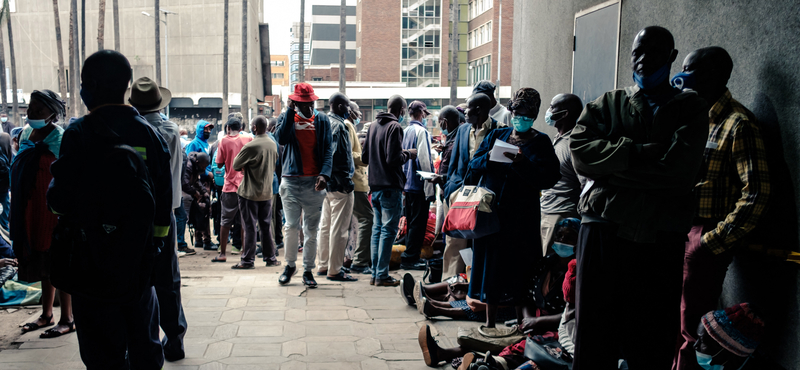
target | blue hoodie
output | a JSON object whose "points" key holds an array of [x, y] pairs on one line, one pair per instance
{"points": [[200, 142]]}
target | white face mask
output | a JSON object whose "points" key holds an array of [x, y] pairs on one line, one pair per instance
{"points": [[303, 116], [4, 119]]}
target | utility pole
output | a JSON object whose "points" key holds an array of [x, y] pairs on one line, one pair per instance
{"points": [[14, 97], [342, 45], [301, 75], [74, 63], [453, 51], [101, 26], [245, 92], [225, 64], [499, 46], [62, 83], [157, 17], [116, 25]]}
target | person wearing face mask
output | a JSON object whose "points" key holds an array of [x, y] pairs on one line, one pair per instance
{"points": [[307, 165], [727, 339], [361, 207], [417, 192], [498, 111], [384, 154], [641, 147], [467, 139], [31, 221], [502, 259], [449, 122], [561, 201], [337, 208], [731, 195], [6, 123]]}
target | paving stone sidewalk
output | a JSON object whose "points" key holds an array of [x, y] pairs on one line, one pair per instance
{"points": [[244, 320]]}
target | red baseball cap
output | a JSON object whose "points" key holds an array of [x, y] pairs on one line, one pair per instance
{"points": [[303, 93]]}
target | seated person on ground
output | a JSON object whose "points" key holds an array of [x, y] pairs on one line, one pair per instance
{"points": [[728, 338]]}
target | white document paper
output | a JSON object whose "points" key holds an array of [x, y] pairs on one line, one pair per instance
{"points": [[426, 175], [500, 147], [466, 255]]}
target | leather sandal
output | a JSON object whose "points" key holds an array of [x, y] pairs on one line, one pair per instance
{"points": [[53, 333], [31, 326]]}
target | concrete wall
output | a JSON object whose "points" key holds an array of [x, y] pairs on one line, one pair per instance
{"points": [[762, 37]]}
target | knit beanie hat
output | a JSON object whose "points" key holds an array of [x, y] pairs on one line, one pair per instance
{"points": [[737, 329], [569, 282]]}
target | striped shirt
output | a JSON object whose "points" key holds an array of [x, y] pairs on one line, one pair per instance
{"points": [[734, 182]]}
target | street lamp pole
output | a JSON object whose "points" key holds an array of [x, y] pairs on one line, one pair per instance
{"points": [[166, 46]]}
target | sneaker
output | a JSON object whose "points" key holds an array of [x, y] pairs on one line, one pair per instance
{"points": [[279, 246], [308, 280], [259, 252], [286, 277], [389, 281], [210, 246], [181, 254], [187, 251], [361, 270], [235, 250]]}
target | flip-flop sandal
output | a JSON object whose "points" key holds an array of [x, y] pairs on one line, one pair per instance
{"points": [[216, 259], [497, 332], [31, 326], [53, 333], [242, 267]]}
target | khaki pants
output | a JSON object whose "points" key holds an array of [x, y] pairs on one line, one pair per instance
{"points": [[334, 230], [452, 264]]}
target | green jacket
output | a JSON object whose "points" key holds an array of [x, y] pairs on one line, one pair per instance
{"points": [[642, 194]]}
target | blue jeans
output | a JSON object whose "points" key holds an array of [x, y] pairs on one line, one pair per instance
{"points": [[301, 200], [387, 205], [180, 219]]}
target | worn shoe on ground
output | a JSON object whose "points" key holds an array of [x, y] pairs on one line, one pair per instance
{"points": [[187, 250], [308, 280], [361, 270], [286, 277], [419, 266], [389, 281]]}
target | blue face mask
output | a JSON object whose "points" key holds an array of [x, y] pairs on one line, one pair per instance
{"points": [[563, 250], [548, 118], [522, 123], [401, 119], [684, 80], [358, 120], [445, 132], [37, 123], [653, 80], [704, 361]]}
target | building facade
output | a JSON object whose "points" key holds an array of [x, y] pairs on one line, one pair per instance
{"points": [[294, 54], [280, 69], [193, 48]]}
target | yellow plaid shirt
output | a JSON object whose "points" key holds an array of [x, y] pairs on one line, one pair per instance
{"points": [[734, 182]]}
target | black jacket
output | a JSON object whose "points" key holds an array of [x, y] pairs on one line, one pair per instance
{"points": [[383, 153]]}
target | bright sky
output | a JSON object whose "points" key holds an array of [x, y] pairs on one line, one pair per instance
{"points": [[280, 14]]}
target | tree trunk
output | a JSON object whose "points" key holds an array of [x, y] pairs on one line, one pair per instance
{"points": [[14, 99], [82, 56], [116, 25], [342, 45], [101, 26], [62, 81], [157, 17], [245, 93], [301, 74], [3, 85], [225, 65], [453, 52], [74, 64]]}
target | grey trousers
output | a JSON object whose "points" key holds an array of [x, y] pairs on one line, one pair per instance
{"points": [[364, 214], [256, 213]]}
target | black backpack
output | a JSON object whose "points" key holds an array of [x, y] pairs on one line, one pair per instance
{"points": [[105, 251]]}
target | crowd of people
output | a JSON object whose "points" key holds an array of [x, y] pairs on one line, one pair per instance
{"points": [[639, 204]]}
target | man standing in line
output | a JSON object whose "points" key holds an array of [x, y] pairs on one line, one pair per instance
{"points": [[307, 163], [418, 193], [361, 207], [337, 208], [468, 139], [642, 147], [114, 336], [731, 194], [149, 99], [384, 154], [498, 112], [449, 121], [228, 149], [256, 163], [561, 201]]}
